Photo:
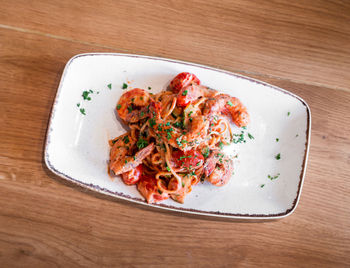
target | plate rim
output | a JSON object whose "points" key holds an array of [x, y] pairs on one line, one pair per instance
{"points": [[97, 188]]}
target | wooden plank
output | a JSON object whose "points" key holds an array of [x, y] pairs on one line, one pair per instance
{"points": [[45, 222], [306, 41]]}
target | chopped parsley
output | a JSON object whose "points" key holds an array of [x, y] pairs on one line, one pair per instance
{"points": [[168, 135], [184, 93], [82, 110], [273, 177], [178, 124], [277, 139], [278, 157], [250, 136], [142, 113], [168, 168], [141, 143], [205, 152], [109, 86], [288, 114], [183, 184], [230, 103], [149, 88], [159, 191], [119, 106], [262, 185], [78, 104], [125, 85], [297, 135], [126, 139], [126, 161], [86, 96], [238, 138], [221, 145], [152, 122], [130, 109]]}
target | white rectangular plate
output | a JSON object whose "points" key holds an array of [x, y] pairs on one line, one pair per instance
{"points": [[77, 145]]}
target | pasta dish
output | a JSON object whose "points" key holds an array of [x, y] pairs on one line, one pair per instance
{"points": [[176, 138]]}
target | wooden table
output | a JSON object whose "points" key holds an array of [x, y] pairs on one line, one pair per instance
{"points": [[302, 46]]}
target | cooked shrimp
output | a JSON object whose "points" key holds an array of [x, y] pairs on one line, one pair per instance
{"points": [[218, 168], [120, 159], [227, 105], [133, 176], [132, 105]]}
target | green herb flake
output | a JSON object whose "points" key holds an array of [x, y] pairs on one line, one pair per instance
{"points": [[86, 96], [221, 145], [278, 157], [184, 93], [168, 168], [273, 177], [288, 114], [130, 109], [183, 184], [141, 143], [149, 88], [142, 113], [152, 122], [262, 185], [82, 110], [250, 136], [159, 191], [109, 86], [297, 135], [125, 85], [277, 139], [126, 139], [178, 124], [78, 104], [230, 103], [205, 152], [119, 106], [126, 161]]}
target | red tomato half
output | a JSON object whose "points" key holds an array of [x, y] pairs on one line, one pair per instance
{"points": [[183, 80], [188, 159], [133, 176], [147, 186]]}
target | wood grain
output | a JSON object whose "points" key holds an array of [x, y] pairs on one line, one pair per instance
{"points": [[305, 41], [44, 222]]}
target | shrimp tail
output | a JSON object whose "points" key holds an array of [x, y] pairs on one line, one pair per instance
{"points": [[131, 162]]}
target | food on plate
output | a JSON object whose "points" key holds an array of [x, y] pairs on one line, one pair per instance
{"points": [[176, 138]]}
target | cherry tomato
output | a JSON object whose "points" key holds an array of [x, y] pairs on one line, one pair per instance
{"points": [[188, 159], [183, 80], [147, 186], [133, 176]]}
